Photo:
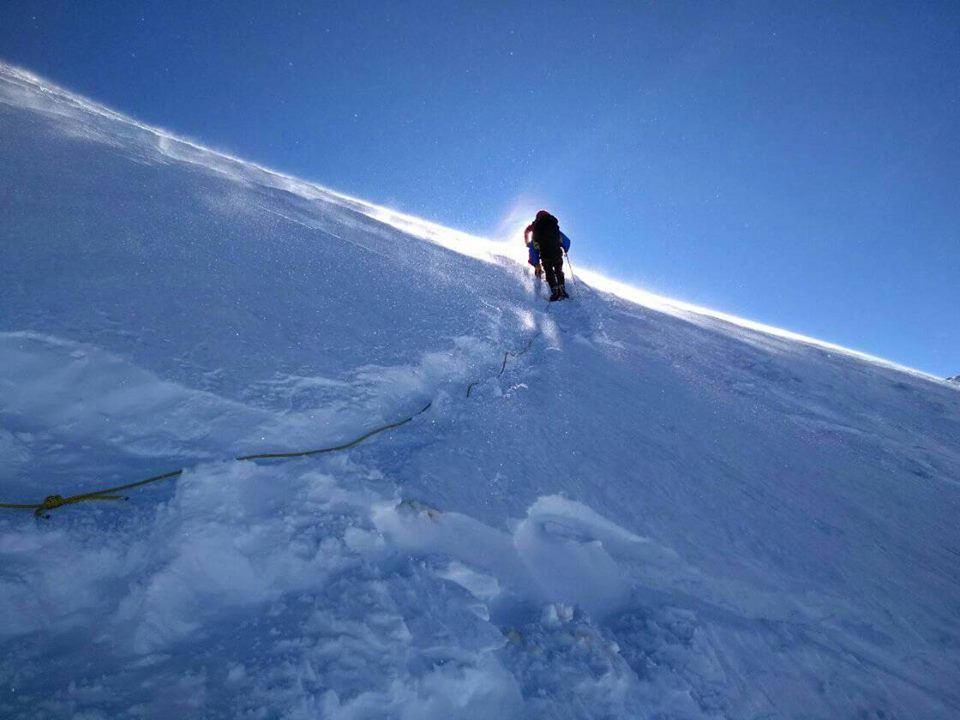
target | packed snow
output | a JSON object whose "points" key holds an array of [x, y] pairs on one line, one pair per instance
{"points": [[610, 509]]}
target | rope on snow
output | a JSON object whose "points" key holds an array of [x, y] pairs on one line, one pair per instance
{"points": [[52, 502]]}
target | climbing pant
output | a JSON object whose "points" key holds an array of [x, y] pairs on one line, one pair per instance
{"points": [[553, 268]]}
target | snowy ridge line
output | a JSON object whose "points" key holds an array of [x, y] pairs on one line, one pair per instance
{"points": [[682, 309], [458, 241], [52, 502]]}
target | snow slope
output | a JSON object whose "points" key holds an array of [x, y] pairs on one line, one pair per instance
{"points": [[644, 512]]}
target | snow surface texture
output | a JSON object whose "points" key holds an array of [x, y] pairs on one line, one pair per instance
{"points": [[647, 514]]}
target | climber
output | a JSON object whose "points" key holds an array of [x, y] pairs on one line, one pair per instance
{"points": [[547, 243]]}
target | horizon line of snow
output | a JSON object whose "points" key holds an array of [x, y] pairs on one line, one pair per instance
{"points": [[475, 246]]}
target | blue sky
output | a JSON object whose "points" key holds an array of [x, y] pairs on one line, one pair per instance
{"points": [[796, 163]]}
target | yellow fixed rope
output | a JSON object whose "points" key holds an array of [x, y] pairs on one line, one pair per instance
{"points": [[52, 502]]}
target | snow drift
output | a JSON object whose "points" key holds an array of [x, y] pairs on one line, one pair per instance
{"points": [[643, 512]]}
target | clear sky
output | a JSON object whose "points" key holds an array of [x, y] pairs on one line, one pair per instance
{"points": [[796, 163]]}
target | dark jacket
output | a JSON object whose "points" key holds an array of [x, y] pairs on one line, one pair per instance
{"points": [[546, 235]]}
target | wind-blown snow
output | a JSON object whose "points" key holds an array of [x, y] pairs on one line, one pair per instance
{"points": [[652, 511]]}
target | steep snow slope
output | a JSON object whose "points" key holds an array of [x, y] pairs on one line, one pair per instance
{"points": [[640, 514]]}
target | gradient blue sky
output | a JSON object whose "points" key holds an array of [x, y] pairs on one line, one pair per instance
{"points": [[797, 163]]}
